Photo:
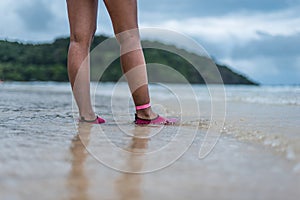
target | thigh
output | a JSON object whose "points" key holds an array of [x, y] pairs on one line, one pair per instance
{"points": [[82, 18], [123, 14]]}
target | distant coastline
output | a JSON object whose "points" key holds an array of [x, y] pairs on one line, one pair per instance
{"points": [[47, 62]]}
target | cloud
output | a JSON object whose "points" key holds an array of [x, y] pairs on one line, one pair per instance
{"points": [[9, 21], [201, 8], [240, 27], [35, 15], [268, 70], [33, 20], [263, 45], [270, 46]]}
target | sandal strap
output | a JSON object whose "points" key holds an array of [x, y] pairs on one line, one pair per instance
{"points": [[141, 107]]}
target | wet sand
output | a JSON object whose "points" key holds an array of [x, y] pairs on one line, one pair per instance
{"points": [[46, 155], [234, 170]]}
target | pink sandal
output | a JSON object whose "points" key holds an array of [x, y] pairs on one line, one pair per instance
{"points": [[157, 120], [98, 120]]}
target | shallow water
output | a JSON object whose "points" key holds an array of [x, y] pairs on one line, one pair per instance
{"points": [[45, 153]]}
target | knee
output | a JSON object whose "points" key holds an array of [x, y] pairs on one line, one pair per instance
{"points": [[131, 35], [129, 39], [82, 38]]}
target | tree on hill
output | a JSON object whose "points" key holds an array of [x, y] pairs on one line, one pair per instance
{"points": [[48, 61]]}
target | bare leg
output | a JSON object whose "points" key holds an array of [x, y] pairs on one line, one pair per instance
{"points": [[82, 18], [123, 14]]}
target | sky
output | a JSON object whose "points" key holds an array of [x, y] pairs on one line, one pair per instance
{"points": [[257, 38]]}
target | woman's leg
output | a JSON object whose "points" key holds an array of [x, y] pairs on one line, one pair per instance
{"points": [[123, 14], [82, 18]]}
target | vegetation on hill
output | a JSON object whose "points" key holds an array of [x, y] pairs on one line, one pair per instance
{"points": [[47, 62]]}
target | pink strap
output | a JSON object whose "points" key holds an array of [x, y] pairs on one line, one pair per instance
{"points": [[143, 106]]}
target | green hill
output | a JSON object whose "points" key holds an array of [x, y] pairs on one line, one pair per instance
{"points": [[47, 62]]}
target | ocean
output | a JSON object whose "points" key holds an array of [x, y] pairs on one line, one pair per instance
{"points": [[232, 142]]}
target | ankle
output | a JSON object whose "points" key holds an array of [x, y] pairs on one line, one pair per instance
{"points": [[146, 113], [88, 115]]}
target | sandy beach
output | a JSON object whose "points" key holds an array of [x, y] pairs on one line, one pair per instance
{"points": [[46, 154]]}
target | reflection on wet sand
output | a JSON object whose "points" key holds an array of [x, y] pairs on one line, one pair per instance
{"points": [[128, 185], [78, 181]]}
